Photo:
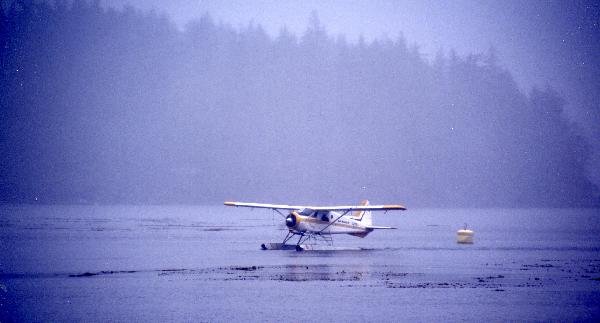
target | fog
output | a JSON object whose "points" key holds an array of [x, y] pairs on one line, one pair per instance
{"points": [[122, 106]]}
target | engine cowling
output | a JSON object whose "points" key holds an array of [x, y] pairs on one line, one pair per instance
{"points": [[291, 220]]}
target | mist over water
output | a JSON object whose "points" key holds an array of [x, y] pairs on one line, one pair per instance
{"points": [[120, 106]]}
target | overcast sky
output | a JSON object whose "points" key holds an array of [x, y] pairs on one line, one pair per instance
{"points": [[540, 42]]}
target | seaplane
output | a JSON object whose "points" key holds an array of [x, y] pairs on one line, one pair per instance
{"points": [[315, 225]]}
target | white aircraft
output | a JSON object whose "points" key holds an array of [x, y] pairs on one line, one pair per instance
{"points": [[314, 223]]}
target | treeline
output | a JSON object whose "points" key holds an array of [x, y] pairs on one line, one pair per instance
{"points": [[120, 106]]}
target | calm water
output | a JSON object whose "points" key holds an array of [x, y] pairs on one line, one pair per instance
{"points": [[198, 263]]}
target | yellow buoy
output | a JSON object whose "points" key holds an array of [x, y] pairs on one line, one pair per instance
{"points": [[464, 235]]}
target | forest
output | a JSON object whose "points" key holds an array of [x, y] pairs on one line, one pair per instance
{"points": [[101, 105]]}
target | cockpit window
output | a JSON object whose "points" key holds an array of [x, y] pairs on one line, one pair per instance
{"points": [[307, 212], [322, 215]]}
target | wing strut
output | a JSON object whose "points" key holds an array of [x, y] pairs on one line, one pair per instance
{"points": [[334, 221], [277, 210]]}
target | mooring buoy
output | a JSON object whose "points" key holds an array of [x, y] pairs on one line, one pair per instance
{"points": [[464, 235]]}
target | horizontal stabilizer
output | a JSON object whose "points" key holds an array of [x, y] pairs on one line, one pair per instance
{"points": [[374, 227]]}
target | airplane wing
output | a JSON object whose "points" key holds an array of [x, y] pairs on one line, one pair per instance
{"points": [[359, 208], [319, 208], [265, 206]]}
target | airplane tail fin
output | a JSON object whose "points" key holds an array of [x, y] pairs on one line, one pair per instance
{"points": [[363, 216]]}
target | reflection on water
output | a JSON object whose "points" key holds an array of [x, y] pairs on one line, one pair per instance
{"points": [[318, 272]]}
